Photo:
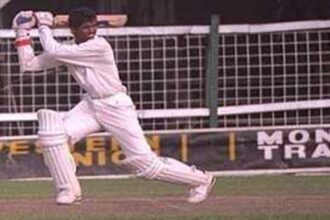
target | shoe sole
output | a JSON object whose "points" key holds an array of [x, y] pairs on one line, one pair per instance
{"points": [[213, 181], [77, 201]]}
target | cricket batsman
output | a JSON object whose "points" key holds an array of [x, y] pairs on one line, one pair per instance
{"points": [[106, 105]]}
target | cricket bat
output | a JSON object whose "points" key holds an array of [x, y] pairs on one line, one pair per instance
{"points": [[103, 20]]}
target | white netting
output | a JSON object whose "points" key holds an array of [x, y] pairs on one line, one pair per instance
{"points": [[275, 66], [164, 70]]}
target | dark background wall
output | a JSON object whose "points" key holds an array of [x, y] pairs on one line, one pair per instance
{"points": [[184, 12]]}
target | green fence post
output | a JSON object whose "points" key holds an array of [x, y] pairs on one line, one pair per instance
{"points": [[212, 71]]}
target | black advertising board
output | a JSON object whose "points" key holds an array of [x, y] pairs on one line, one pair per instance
{"points": [[214, 151]]}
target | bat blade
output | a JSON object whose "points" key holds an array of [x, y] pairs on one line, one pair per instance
{"points": [[118, 20]]}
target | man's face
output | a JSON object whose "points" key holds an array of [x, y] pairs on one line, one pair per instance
{"points": [[85, 31]]}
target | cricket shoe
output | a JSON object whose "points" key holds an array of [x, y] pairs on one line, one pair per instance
{"points": [[200, 193], [66, 197]]}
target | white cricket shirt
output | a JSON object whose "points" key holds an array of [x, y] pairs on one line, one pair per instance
{"points": [[91, 63]]}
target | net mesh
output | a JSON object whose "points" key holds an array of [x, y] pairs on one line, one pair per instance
{"points": [[274, 67], [160, 72], [167, 70]]}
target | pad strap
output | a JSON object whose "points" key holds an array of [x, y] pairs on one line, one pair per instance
{"points": [[51, 128], [167, 169], [147, 166]]}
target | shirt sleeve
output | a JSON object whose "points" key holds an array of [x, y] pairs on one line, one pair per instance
{"points": [[28, 61], [84, 54]]}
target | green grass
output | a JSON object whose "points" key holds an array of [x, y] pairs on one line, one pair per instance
{"points": [[265, 186], [259, 185], [228, 186], [274, 185], [15, 190]]}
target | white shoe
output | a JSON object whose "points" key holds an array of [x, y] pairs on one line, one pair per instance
{"points": [[67, 198], [200, 193]]}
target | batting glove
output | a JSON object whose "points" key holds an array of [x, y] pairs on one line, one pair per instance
{"points": [[23, 22], [44, 18]]}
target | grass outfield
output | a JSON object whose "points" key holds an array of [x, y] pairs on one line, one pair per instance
{"points": [[233, 198]]}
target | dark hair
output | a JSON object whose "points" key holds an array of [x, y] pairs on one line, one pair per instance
{"points": [[80, 15]]}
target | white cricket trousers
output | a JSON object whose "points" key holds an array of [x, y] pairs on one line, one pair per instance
{"points": [[116, 114]]}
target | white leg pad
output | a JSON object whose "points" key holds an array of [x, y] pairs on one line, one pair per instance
{"points": [[56, 152], [166, 169], [177, 172]]}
